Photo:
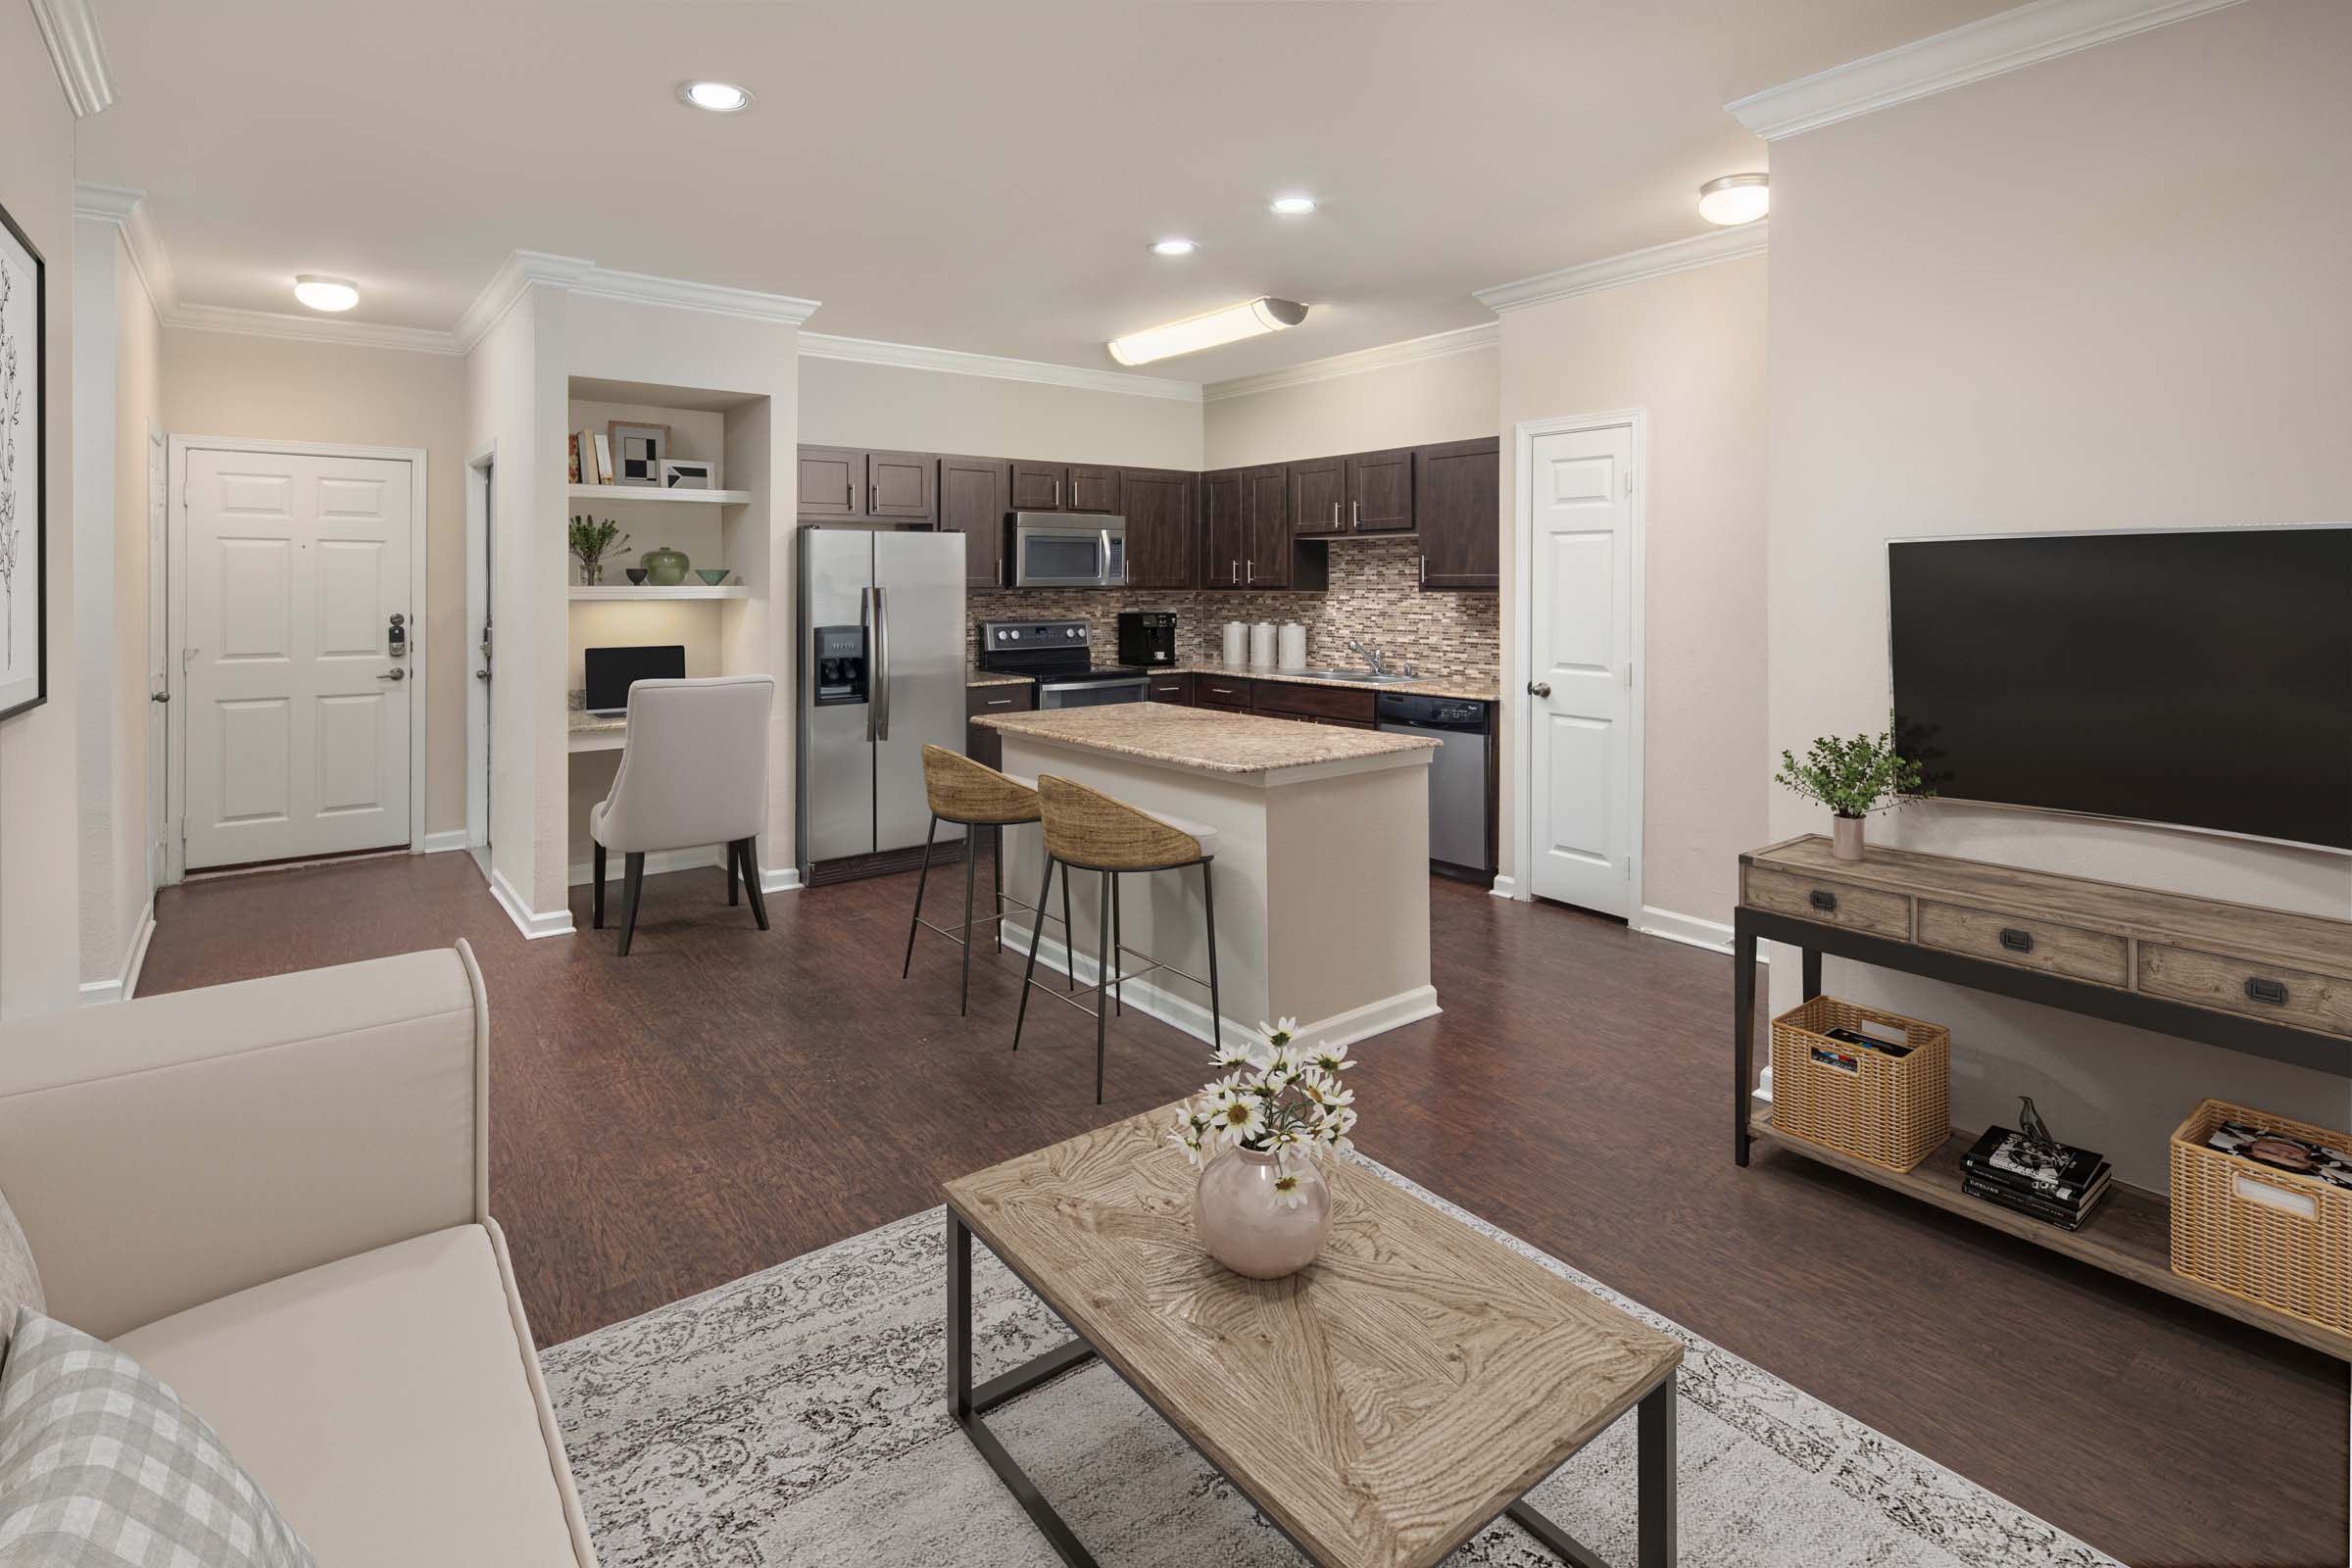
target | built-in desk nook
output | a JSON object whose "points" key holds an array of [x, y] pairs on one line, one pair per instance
{"points": [[2261, 981]]}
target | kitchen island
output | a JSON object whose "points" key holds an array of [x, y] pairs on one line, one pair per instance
{"points": [[1321, 872]]}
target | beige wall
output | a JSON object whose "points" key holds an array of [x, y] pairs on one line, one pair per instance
{"points": [[39, 883], [1687, 349], [222, 383], [1448, 398], [2119, 302], [846, 403]]}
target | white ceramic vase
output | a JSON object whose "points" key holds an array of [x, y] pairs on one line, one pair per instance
{"points": [[1244, 1223], [1845, 842]]}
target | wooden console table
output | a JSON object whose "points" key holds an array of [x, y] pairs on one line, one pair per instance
{"points": [[2259, 981]]}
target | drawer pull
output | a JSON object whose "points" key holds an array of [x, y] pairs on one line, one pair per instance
{"points": [[2017, 941], [1826, 902], [2273, 992], [999, 702]]}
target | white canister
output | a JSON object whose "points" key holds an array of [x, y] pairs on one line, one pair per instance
{"points": [[1262, 642], [1236, 643], [1292, 643]]}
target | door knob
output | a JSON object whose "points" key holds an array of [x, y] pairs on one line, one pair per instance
{"points": [[395, 674], [481, 675], [1539, 688], [159, 697]]}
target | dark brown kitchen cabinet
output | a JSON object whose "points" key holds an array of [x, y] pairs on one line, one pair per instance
{"points": [[1225, 534], [1095, 490], [1457, 491], [971, 503], [877, 486], [1221, 691], [1064, 487], [1318, 498], [1159, 506], [1380, 492], [830, 479], [1267, 527], [1176, 690], [986, 745]]}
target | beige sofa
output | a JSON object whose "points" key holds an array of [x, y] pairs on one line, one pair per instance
{"points": [[276, 1197]]}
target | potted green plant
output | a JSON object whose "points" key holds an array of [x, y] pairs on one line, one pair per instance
{"points": [[592, 540], [1852, 778]]}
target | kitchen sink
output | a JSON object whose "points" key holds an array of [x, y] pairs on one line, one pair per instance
{"points": [[1364, 676]]}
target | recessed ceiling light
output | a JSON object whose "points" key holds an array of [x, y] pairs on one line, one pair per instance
{"points": [[1735, 199], [1173, 247], [1228, 325], [326, 293], [1291, 206], [719, 97]]}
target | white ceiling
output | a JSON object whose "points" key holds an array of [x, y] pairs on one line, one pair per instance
{"points": [[973, 175]]}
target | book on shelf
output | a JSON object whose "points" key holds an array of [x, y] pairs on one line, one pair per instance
{"points": [[2052, 1173], [2064, 1216]]}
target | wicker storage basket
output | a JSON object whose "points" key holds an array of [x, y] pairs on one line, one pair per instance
{"points": [[1893, 1111], [2269, 1236]]}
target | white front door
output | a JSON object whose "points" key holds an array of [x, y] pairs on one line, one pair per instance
{"points": [[1578, 698], [296, 717]]}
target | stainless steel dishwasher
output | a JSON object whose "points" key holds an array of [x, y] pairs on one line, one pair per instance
{"points": [[1457, 774]]}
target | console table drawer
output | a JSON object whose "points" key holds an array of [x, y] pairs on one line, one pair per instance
{"points": [[2026, 942], [1832, 902], [2296, 998]]}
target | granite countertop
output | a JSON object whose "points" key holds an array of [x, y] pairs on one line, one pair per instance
{"points": [[1468, 688], [1206, 739], [988, 678], [579, 721]]}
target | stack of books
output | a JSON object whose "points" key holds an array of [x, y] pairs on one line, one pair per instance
{"points": [[2056, 1183]]}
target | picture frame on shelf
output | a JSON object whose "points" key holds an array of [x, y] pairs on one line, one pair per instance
{"points": [[637, 452], [689, 473], [24, 472]]}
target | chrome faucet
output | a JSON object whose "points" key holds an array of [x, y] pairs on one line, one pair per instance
{"points": [[1370, 655]]}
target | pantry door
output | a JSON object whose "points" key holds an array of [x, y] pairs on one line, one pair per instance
{"points": [[299, 652]]}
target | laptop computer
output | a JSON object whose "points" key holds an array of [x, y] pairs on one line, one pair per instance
{"points": [[611, 671]]}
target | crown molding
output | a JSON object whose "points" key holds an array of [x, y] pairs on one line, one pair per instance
{"points": [[1988, 47], [128, 210], [678, 294], [71, 30], [1633, 266], [955, 362], [310, 330], [514, 277], [1435, 345]]}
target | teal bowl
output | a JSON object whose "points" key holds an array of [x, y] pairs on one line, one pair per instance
{"points": [[711, 577]]}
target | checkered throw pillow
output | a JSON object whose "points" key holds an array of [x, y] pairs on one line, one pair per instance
{"points": [[20, 1281], [101, 1466]]}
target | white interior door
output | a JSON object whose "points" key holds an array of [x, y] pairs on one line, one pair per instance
{"points": [[297, 723], [1580, 689], [158, 671]]}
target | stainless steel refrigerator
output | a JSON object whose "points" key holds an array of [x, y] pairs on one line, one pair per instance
{"points": [[882, 662]]}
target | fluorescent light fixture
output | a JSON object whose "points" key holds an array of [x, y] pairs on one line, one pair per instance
{"points": [[1735, 199], [1228, 325], [1173, 247], [326, 293], [1291, 206], [719, 97]]}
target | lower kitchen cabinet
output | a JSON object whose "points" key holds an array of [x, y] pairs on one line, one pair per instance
{"points": [[986, 745], [1338, 704], [1175, 689], [1221, 691]]}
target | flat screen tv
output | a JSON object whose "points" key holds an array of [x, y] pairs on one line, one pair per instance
{"points": [[2198, 679]]}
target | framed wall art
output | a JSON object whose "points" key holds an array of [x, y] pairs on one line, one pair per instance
{"points": [[23, 472]]}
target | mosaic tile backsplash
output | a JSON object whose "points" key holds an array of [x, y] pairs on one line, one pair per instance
{"points": [[1373, 596]]}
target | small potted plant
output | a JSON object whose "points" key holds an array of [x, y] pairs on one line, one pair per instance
{"points": [[592, 540], [1852, 778], [1255, 1134]]}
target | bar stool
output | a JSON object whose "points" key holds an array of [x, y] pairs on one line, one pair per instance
{"points": [[1086, 830], [973, 796]]}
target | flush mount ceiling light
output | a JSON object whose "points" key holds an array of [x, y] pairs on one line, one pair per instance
{"points": [[719, 97], [326, 293], [1291, 206], [1228, 325], [1173, 247], [1735, 199]]}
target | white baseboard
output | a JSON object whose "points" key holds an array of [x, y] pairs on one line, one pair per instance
{"points": [[124, 984], [1764, 1084], [656, 861], [1690, 929], [1191, 1015], [530, 923], [779, 879], [444, 841], [1506, 886]]}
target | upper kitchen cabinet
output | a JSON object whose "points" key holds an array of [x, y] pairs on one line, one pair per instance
{"points": [[868, 486], [1224, 533], [1318, 498], [1380, 492], [1159, 506], [1457, 491], [1267, 527], [1064, 487], [830, 479], [972, 502]]}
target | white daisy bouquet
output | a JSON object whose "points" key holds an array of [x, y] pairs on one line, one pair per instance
{"points": [[1272, 1096]]}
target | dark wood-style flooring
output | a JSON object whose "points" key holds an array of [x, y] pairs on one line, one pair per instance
{"points": [[724, 1099]]}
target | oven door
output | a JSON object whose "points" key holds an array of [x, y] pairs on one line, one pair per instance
{"points": [[1064, 554], [1091, 693]]}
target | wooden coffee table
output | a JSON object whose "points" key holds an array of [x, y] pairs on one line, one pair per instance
{"points": [[1380, 1407]]}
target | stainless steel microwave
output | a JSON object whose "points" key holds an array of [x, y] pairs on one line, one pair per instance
{"points": [[1069, 549]]}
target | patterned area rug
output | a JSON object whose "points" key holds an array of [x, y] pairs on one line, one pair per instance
{"points": [[799, 1416]]}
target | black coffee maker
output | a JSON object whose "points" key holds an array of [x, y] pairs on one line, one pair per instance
{"points": [[1147, 637]]}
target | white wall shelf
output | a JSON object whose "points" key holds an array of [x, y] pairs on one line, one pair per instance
{"points": [[624, 593], [662, 498]]}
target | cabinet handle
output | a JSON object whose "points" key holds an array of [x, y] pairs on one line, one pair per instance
{"points": [[1251, 567], [2273, 992], [848, 495], [999, 702], [1421, 572], [1335, 517], [1057, 494], [2017, 941], [1355, 514], [873, 497], [1826, 902]]}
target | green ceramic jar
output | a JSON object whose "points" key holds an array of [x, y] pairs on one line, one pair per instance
{"points": [[663, 567]]}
